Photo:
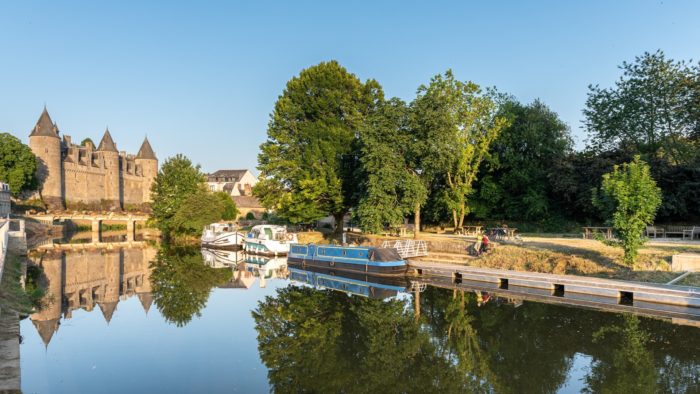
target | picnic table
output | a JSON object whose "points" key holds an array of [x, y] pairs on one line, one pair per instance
{"points": [[469, 230], [503, 232], [589, 232]]}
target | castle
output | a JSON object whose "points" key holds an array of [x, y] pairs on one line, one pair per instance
{"points": [[84, 177]]}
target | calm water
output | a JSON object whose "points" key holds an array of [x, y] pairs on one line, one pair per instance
{"points": [[179, 320]]}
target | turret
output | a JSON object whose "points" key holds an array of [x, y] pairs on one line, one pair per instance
{"points": [[148, 162], [46, 145], [110, 155], [47, 320]]}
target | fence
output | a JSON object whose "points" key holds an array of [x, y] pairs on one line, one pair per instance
{"points": [[408, 248], [4, 239]]}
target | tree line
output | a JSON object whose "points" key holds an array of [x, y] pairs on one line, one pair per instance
{"points": [[336, 145]]}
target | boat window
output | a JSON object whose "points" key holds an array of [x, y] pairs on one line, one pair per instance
{"points": [[268, 233], [321, 251]]}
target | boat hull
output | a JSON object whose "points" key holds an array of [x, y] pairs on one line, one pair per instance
{"points": [[392, 268], [265, 247], [231, 241]]}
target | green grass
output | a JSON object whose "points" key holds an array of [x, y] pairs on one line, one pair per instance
{"points": [[12, 296]]}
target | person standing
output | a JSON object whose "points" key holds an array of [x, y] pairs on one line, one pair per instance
{"points": [[477, 245]]}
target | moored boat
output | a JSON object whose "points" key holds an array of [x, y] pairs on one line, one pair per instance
{"points": [[349, 282], [269, 240], [218, 258], [222, 235], [370, 260]]}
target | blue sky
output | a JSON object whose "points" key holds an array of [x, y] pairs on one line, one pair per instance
{"points": [[201, 78]]}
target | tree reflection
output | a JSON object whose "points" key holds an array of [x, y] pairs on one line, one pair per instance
{"points": [[327, 341], [181, 283], [627, 367]]}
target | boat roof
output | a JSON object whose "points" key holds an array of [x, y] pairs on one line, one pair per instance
{"points": [[270, 226]]}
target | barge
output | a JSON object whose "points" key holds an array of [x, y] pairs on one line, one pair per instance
{"points": [[369, 260]]}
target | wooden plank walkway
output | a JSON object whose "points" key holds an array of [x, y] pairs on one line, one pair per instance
{"points": [[625, 292]]}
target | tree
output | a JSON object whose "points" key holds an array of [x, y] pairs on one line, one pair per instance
{"points": [[18, 165], [630, 198], [85, 141], [176, 180], [517, 181], [196, 211], [230, 211], [181, 283], [309, 159], [389, 189], [455, 123], [651, 110]]}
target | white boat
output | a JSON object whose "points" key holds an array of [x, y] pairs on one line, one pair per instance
{"points": [[219, 258], [222, 235], [269, 240]]}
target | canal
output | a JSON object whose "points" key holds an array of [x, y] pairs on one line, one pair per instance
{"points": [[147, 318]]}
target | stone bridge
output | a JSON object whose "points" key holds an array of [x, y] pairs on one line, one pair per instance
{"points": [[96, 220]]}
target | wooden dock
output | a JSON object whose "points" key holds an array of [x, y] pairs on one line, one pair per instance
{"points": [[683, 299]]}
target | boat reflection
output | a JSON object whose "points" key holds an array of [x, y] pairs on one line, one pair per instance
{"points": [[246, 268], [348, 282]]}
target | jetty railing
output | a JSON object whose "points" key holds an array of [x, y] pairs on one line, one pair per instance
{"points": [[408, 248]]}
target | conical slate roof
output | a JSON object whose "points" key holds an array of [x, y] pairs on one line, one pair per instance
{"points": [[107, 143], [46, 329], [108, 309], [44, 126], [146, 152]]}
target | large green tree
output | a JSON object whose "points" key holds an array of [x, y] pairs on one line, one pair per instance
{"points": [[18, 165], [652, 110], [196, 211], [310, 157], [389, 187], [177, 179], [229, 208], [455, 122], [517, 182], [630, 198]]}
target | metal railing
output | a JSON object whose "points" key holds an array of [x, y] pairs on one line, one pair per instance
{"points": [[408, 248]]}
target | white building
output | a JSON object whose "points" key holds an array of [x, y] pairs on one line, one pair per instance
{"points": [[239, 184], [4, 199], [233, 182]]}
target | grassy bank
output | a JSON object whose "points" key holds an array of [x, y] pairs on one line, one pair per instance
{"points": [[12, 296], [587, 258]]}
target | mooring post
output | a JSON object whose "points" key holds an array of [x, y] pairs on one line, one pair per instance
{"points": [[96, 226], [130, 230]]}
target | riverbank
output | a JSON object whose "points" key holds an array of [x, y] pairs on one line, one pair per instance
{"points": [[558, 256]]}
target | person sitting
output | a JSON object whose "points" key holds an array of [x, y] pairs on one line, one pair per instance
{"points": [[485, 244]]}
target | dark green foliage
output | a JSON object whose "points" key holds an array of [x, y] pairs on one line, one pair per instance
{"points": [[389, 189], [177, 180], [230, 211], [86, 141], [250, 216], [629, 198], [651, 110], [181, 283], [18, 165], [308, 162], [517, 183], [196, 211], [328, 342]]}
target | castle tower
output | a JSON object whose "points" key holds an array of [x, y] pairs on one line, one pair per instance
{"points": [[46, 145], [110, 154], [148, 161]]}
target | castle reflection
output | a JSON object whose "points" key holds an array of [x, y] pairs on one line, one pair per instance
{"points": [[88, 278]]}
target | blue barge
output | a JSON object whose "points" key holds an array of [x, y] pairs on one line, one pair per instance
{"points": [[369, 260], [350, 283]]}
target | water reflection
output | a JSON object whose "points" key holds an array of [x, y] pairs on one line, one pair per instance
{"points": [[326, 331], [88, 278], [322, 340]]}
